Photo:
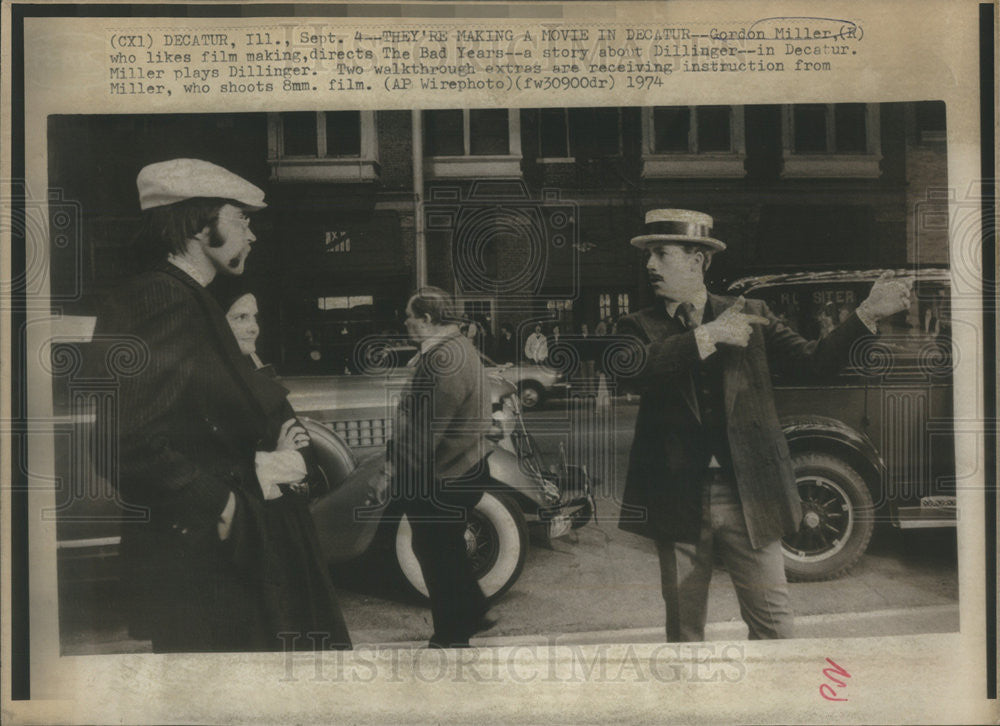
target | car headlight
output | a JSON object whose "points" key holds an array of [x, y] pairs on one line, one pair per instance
{"points": [[504, 417]]}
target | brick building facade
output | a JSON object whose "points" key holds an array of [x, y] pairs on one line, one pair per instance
{"points": [[527, 212]]}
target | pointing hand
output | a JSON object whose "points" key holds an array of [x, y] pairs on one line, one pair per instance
{"points": [[733, 326]]}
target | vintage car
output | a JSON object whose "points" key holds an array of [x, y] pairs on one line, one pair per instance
{"points": [[389, 356], [876, 442], [522, 491]]}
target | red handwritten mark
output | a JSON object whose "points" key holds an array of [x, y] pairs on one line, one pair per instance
{"points": [[833, 674]]}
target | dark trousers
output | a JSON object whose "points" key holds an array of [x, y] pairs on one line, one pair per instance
{"points": [[457, 602], [757, 574]]}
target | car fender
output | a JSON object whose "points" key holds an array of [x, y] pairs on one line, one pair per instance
{"points": [[345, 517], [505, 469], [830, 435]]}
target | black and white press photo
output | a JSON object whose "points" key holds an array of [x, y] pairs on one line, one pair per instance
{"points": [[498, 363], [794, 440]]}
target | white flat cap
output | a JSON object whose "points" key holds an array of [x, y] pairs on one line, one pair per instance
{"points": [[167, 182], [682, 226]]}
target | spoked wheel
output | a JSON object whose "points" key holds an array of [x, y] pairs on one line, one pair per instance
{"points": [[482, 543], [837, 519], [496, 543]]}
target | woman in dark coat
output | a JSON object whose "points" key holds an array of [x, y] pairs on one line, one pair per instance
{"points": [[301, 604]]}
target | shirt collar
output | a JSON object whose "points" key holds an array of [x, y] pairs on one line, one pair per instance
{"points": [[698, 299], [427, 343], [184, 266]]}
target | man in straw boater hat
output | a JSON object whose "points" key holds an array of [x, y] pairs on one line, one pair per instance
{"points": [[710, 472], [214, 566]]}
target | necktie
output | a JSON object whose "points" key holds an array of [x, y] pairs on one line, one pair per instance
{"points": [[685, 315]]}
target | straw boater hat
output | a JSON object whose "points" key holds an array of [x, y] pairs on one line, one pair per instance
{"points": [[168, 182], [681, 226]]}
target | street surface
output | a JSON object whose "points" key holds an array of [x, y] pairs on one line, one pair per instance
{"points": [[599, 584]]}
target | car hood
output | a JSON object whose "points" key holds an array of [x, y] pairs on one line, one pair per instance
{"points": [[313, 393]]}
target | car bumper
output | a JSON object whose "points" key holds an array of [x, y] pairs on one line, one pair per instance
{"points": [[932, 512], [575, 508]]}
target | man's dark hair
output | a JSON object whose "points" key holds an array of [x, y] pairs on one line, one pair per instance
{"points": [[165, 230], [436, 303], [705, 251]]}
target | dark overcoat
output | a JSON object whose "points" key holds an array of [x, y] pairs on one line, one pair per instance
{"points": [[662, 496], [191, 413]]}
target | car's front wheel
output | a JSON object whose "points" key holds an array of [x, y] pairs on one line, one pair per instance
{"points": [[496, 543], [837, 519]]}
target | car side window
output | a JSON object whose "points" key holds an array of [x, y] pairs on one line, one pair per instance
{"points": [[920, 338], [914, 340]]}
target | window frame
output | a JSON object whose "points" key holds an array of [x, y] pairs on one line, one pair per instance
{"points": [[481, 165], [319, 167], [613, 304], [694, 163], [619, 122], [570, 156], [604, 305], [832, 164]]}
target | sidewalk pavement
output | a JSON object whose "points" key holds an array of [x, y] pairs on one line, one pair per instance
{"points": [[896, 621]]}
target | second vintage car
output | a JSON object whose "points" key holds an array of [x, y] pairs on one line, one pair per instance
{"points": [[876, 442]]}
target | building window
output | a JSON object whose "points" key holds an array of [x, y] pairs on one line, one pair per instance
{"points": [[693, 141], [831, 140], [322, 146], [565, 134], [553, 134], [930, 118], [623, 303], [337, 242], [692, 129], [472, 142], [829, 128], [612, 305], [489, 132], [344, 303], [604, 303], [343, 134], [561, 313], [595, 132], [444, 133]]}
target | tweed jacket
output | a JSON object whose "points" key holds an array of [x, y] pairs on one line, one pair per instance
{"points": [[662, 496], [440, 426]]}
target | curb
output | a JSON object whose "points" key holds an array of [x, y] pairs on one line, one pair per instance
{"points": [[873, 623]]}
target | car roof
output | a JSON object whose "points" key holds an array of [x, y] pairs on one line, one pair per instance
{"points": [[747, 284]]}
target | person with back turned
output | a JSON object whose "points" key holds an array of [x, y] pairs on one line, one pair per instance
{"points": [[437, 454]]}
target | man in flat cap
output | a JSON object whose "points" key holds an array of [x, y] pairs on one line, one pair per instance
{"points": [[211, 568], [710, 472]]}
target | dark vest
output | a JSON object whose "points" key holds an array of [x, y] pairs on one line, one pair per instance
{"points": [[711, 405]]}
